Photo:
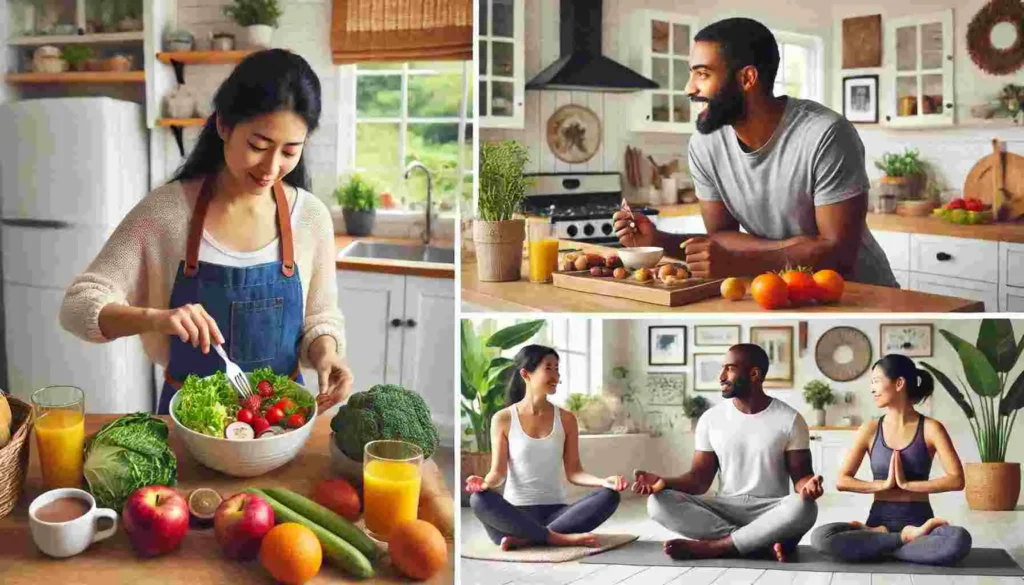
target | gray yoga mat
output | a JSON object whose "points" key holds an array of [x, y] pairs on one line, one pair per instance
{"points": [[994, 562]]}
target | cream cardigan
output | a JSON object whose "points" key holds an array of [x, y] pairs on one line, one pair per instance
{"points": [[139, 262]]}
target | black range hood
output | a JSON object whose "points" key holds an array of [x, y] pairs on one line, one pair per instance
{"points": [[581, 66]]}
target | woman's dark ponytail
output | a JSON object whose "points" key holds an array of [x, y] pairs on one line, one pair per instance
{"points": [[920, 383], [528, 358]]}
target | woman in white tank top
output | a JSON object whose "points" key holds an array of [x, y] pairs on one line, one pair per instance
{"points": [[535, 443]]}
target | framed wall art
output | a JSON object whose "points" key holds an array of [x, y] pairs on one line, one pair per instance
{"points": [[860, 99], [777, 342], [909, 339], [862, 41], [707, 367], [716, 335], [666, 345]]}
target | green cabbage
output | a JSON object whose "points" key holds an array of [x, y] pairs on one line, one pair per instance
{"points": [[126, 454]]}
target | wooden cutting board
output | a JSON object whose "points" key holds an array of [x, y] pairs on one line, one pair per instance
{"points": [[998, 179], [653, 291]]}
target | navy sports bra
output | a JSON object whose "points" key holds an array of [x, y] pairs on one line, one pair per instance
{"points": [[917, 462]]}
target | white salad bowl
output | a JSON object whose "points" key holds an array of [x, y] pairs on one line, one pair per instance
{"points": [[244, 457], [644, 257]]}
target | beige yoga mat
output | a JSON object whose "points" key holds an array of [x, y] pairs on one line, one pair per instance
{"points": [[486, 550]]}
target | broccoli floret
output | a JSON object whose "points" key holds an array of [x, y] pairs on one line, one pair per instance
{"points": [[386, 411]]}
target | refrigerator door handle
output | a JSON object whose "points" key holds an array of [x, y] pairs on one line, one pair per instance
{"points": [[49, 224]]}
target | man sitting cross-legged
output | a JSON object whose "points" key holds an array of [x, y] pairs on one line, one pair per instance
{"points": [[758, 444]]}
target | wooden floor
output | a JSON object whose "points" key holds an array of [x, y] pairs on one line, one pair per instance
{"points": [[988, 529]]}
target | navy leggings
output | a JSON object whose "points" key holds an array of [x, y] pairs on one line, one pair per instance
{"points": [[532, 523], [944, 545]]}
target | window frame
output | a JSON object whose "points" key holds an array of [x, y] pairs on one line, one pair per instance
{"points": [[815, 46]]}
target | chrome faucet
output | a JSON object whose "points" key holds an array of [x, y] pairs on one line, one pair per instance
{"points": [[408, 171]]}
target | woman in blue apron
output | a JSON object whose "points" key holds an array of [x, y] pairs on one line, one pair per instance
{"points": [[247, 185]]}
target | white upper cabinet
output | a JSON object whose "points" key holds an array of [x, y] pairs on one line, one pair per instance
{"points": [[500, 54], [919, 70]]}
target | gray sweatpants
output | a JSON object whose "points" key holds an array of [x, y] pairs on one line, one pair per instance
{"points": [[754, 523]]}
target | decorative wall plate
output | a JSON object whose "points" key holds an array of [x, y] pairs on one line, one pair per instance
{"points": [[988, 57], [843, 354], [574, 133]]}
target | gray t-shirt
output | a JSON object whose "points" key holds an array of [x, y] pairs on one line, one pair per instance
{"points": [[814, 158]]}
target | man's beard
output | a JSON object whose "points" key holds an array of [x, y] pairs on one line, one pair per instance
{"points": [[725, 107], [739, 388]]}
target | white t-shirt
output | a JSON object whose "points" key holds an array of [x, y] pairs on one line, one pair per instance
{"points": [[751, 448], [213, 252]]}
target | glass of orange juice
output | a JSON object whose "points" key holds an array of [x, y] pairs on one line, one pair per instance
{"points": [[59, 413], [391, 485], [543, 251]]}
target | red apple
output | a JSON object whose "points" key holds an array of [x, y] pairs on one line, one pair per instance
{"points": [[240, 524], [155, 519]]}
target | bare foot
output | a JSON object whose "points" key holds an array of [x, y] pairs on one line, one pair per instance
{"points": [[586, 539], [857, 525], [780, 555], [912, 533], [683, 549], [512, 543]]}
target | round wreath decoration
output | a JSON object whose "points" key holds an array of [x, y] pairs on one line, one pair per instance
{"points": [[979, 42]]}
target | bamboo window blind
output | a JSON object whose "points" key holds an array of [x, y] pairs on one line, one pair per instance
{"points": [[401, 30]]}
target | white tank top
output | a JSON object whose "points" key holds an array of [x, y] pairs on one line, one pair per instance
{"points": [[535, 466]]}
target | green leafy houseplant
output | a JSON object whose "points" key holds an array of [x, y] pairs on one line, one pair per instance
{"points": [[357, 194], [578, 401], [485, 374], [818, 394], [901, 164], [76, 55], [502, 184], [695, 406], [254, 12]]}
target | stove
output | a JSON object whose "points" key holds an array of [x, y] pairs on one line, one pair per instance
{"points": [[579, 205]]}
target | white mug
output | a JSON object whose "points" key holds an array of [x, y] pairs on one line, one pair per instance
{"points": [[66, 539]]}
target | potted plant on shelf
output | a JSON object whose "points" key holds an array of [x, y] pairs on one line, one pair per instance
{"points": [[485, 374], [358, 200], [992, 484], [498, 237], [694, 407], [259, 17], [819, 395], [77, 56], [904, 175], [592, 413]]}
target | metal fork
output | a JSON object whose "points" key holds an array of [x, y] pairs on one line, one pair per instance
{"points": [[239, 381]]}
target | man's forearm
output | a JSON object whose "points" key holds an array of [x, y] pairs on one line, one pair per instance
{"points": [[750, 255], [687, 483]]}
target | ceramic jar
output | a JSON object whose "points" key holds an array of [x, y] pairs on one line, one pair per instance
{"points": [[181, 103]]}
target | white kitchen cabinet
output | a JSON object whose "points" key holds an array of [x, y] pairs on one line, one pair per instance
{"points": [[501, 55], [896, 246], [829, 450], [960, 257], [400, 330], [919, 70], [657, 45], [954, 286], [903, 278]]}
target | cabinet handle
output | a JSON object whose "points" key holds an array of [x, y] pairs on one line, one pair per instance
{"points": [[410, 323], [815, 438], [943, 257], [888, 118], [949, 106], [396, 322]]}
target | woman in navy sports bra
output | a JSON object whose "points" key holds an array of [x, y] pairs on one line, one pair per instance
{"points": [[901, 445]]}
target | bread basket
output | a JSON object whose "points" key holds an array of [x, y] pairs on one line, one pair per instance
{"points": [[14, 456]]}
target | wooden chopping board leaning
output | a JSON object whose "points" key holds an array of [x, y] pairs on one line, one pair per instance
{"points": [[998, 179]]}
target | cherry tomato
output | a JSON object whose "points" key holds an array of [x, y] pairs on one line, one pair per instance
{"points": [[260, 424], [286, 405], [245, 415], [265, 388], [295, 421], [275, 415]]}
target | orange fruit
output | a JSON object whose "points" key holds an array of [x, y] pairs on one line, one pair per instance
{"points": [[830, 285], [801, 285], [770, 291], [417, 549], [291, 553], [733, 289]]}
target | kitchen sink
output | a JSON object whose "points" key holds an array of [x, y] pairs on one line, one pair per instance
{"points": [[407, 252]]}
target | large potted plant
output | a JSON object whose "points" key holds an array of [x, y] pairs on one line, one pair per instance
{"points": [[694, 407], [498, 237], [819, 395], [358, 200], [485, 375], [992, 484], [259, 17]]}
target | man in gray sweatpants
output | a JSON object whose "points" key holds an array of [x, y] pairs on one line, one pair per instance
{"points": [[757, 445]]}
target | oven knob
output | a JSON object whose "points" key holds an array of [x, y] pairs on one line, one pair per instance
{"points": [[572, 231], [607, 229], [588, 229]]}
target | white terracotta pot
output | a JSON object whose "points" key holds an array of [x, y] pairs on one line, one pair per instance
{"points": [[258, 36]]}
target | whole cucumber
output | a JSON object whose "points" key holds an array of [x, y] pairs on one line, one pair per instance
{"points": [[326, 518], [340, 553]]}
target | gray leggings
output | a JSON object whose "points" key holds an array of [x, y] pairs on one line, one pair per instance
{"points": [[944, 545]]}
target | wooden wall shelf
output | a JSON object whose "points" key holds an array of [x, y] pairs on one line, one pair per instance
{"points": [[78, 77], [90, 39], [180, 122], [202, 57]]}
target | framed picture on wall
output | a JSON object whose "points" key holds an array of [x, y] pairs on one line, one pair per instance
{"points": [[860, 99], [666, 388], [777, 342], [707, 367], [716, 335], [666, 345], [909, 339]]}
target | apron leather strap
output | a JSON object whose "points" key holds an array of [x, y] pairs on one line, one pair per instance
{"points": [[195, 232]]}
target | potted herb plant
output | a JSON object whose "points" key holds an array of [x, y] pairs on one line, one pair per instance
{"points": [[485, 375], [992, 484], [259, 17], [498, 237], [77, 56], [358, 200], [694, 407], [904, 174], [819, 395]]}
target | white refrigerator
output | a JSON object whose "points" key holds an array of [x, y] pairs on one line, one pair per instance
{"points": [[70, 170]]}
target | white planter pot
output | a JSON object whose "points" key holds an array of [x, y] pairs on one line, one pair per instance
{"points": [[819, 418], [258, 36]]}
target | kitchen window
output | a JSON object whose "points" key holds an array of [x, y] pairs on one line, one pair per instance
{"points": [[395, 113], [801, 66]]}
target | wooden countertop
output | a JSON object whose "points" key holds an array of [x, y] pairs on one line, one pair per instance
{"points": [[524, 296], [199, 560], [999, 232], [386, 266]]}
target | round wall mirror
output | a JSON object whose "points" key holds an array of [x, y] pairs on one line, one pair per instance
{"points": [[1003, 36]]}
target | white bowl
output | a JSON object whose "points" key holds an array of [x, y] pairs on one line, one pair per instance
{"points": [[244, 457], [644, 257]]}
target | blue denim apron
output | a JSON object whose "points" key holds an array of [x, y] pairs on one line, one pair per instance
{"points": [[257, 308]]}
